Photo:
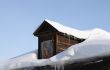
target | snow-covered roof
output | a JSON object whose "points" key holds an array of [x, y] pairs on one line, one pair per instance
{"points": [[26, 57], [97, 44], [67, 30]]}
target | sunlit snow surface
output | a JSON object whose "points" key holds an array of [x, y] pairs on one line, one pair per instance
{"points": [[97, 43]]}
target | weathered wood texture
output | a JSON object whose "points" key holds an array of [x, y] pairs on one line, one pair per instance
{"points": [[63, 42]]}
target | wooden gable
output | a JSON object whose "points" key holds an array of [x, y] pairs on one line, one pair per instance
{"points": [[45, 27]]}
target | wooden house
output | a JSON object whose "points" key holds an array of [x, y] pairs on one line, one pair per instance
{"points": [[54, 38], [51, 41]]}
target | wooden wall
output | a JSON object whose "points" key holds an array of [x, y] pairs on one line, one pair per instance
{"points": [[60, 42], [63, 42]]}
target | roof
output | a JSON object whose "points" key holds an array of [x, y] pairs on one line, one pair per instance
{"points": [[97, 44], [32, 55], [67, 30]]}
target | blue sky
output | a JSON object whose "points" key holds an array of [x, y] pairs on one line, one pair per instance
{"points": [[19, 19]]}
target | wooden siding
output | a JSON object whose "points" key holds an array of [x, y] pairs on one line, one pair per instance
{"points": [[60, 42], [63, 42]]}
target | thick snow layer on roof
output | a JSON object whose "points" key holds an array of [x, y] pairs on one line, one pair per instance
{"points": [[26, 57], [68, 30], [16, 61], [97, 44]]}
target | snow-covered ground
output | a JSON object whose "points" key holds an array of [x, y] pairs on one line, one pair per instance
{"points": [[97, 44]]}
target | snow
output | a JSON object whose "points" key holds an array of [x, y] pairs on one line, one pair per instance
{"points": [[17, 61], [26, 57], [97, 44]]}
